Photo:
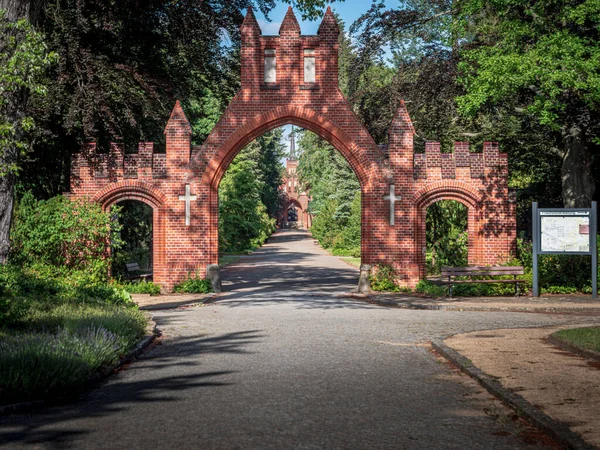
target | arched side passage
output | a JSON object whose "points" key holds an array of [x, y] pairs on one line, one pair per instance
{"points": [[153, 197], [130, 190], [452, 190]]}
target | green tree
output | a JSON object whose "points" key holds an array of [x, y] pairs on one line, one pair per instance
{"points": [[272, 150], [23, 59], [544, 56], [249, 195], [335, 193], [426, 48]]}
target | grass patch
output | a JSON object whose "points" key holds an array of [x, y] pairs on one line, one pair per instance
{"points": [[224, 260], [56, 350], [586, 338], [355, 262]]}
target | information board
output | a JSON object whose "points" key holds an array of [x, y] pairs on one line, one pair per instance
{"points": [[565, 231], [568, 231]]}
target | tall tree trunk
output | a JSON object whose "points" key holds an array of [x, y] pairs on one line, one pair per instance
{"points": [[16, 106], [577, 180]]}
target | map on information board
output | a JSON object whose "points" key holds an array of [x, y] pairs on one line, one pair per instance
{"points": [[565, 232]]}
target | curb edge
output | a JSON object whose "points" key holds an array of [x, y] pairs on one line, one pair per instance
{"points": [[558, 430]]}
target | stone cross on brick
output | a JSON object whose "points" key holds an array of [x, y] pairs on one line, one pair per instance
{"points": [[187, 198], [392, 198]]}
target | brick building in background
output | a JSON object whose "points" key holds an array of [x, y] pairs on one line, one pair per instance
{"points": [[294, 212], [292, 78]]}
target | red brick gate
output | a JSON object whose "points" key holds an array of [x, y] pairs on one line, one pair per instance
{"points": [[291, 78]]}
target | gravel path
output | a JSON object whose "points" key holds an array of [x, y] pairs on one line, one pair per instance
{"points": [[281, 361]]}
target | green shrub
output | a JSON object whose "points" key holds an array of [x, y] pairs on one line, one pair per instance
{"points": [[143, 287], [12, 310], [560, 274], [193, 285], [483, 290], [60, 232], [467, 290], [427, 287], [350, 252], [560, 290], [383, 279]]}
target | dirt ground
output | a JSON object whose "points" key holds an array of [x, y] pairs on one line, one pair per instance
{"points": [[564, 386], [148, 302]]}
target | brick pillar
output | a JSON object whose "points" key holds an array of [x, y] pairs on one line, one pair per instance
{"points": [[178, 134], [327, 57], [407, 254]]}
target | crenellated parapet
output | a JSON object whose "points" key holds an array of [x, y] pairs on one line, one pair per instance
{"points": [[460, 164], [116, 164], [92, 170]]}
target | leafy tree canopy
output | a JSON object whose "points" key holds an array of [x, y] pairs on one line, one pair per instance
{"points": [[542, 58], [24, 57]]}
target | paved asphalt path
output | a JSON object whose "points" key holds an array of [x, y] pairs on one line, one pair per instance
{"points": [[282, 361]]}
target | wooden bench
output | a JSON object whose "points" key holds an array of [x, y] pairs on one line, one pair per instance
{"points": [[449, 275], [135, 273]]}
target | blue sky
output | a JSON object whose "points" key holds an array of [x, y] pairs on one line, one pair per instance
{"points": [[349, 11]]}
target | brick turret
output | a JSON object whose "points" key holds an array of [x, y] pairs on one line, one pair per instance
{"points": [[250, 57], [178, 133]]}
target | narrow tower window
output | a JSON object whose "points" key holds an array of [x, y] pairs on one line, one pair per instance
{"points": [[270, 66], [309, 66]]}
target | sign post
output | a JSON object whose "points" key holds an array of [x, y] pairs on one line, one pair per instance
{"points": [[568, 231]]}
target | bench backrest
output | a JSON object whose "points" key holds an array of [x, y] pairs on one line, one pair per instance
{"points": [[481, 271], [133, 267]]}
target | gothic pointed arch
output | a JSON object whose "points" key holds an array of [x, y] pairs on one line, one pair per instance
{"points": [[277, 117]]}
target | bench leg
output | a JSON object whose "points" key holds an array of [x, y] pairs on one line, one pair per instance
{"points": [[450, 291], [516, 289]]}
